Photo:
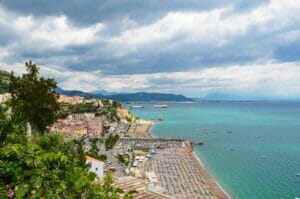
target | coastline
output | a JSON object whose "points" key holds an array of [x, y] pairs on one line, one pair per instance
{"points": [[220, 189], [212, 177]]}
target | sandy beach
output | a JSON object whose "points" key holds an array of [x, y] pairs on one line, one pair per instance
{"points": [[203, 173], [141, 129], [219, 187]]}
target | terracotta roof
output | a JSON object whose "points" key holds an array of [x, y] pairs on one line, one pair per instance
{"points": [[92, 159]]}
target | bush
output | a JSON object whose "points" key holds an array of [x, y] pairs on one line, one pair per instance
{"points": [[111, 141]]}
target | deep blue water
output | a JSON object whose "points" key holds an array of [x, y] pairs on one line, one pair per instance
{"points": [[236, 135]]}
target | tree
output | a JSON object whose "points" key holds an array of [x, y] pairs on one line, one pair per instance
{"points": [[35, 97], [111, 141], [44, 166], [47, 167]]}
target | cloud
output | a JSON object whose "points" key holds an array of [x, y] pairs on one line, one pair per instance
{"points": [[185, 47], [216, 27], [49, 32], [93, 11], [278, 80], [56, 32]]}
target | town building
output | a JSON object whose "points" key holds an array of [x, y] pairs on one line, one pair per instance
{"points": [[97, 166]]}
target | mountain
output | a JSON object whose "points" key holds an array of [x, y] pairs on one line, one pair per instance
{"points": [[103, 92], [122, 97], [143, 96], [4, 81], [128, 97], [78, 93]]}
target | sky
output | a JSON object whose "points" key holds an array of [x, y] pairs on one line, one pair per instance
{"points": [[192, 47]]}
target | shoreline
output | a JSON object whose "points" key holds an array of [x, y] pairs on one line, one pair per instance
{"points": [[212, 177], [200, 163]]}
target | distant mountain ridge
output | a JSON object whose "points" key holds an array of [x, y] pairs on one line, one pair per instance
{"points": [[129, 97], [122, 97], [103, 92], [144, 96]]}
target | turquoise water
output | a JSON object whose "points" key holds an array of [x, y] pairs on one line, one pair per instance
{"points": [[235, 136]]}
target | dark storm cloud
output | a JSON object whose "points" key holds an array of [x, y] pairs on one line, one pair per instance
{"points": [[92, 11]]}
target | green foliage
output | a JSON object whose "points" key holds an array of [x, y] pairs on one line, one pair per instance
{"points": [[12, 129], [47, 167], [68, 109], [116, 105], [38, 169], [124, 159], [128, 118], [110, 109], [35, 97], [4, 81], [94, 151], [44, 166], [111, 141]]}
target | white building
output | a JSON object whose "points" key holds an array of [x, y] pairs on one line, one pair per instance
{"points": [[97, 166]]}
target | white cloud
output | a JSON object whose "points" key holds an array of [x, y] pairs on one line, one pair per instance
{"points": [[215, 27], [270, 79], [277, 22], [265, 79], [49, 32]]}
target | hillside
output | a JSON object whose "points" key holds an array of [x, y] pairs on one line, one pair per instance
{"points": [[129, 97], [143, 96], [78, 93], [122, 97], [4, 80]]}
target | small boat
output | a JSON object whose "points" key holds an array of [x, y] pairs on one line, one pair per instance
{"points": [[160, 106], [298, 174], [136, 106], [263, 156], [160, 118]]}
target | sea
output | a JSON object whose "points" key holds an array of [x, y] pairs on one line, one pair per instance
{"points": [[251, 148]]}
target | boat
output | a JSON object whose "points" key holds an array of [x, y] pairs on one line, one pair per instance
{"points": [[136, 106], [263, 156], [160, 106], [160, 118], [298, 174]]}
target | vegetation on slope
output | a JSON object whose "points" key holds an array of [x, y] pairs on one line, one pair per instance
{"points": [[43, 165], [68, 109], [129, 97], [4, 81], [111, 141]]}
